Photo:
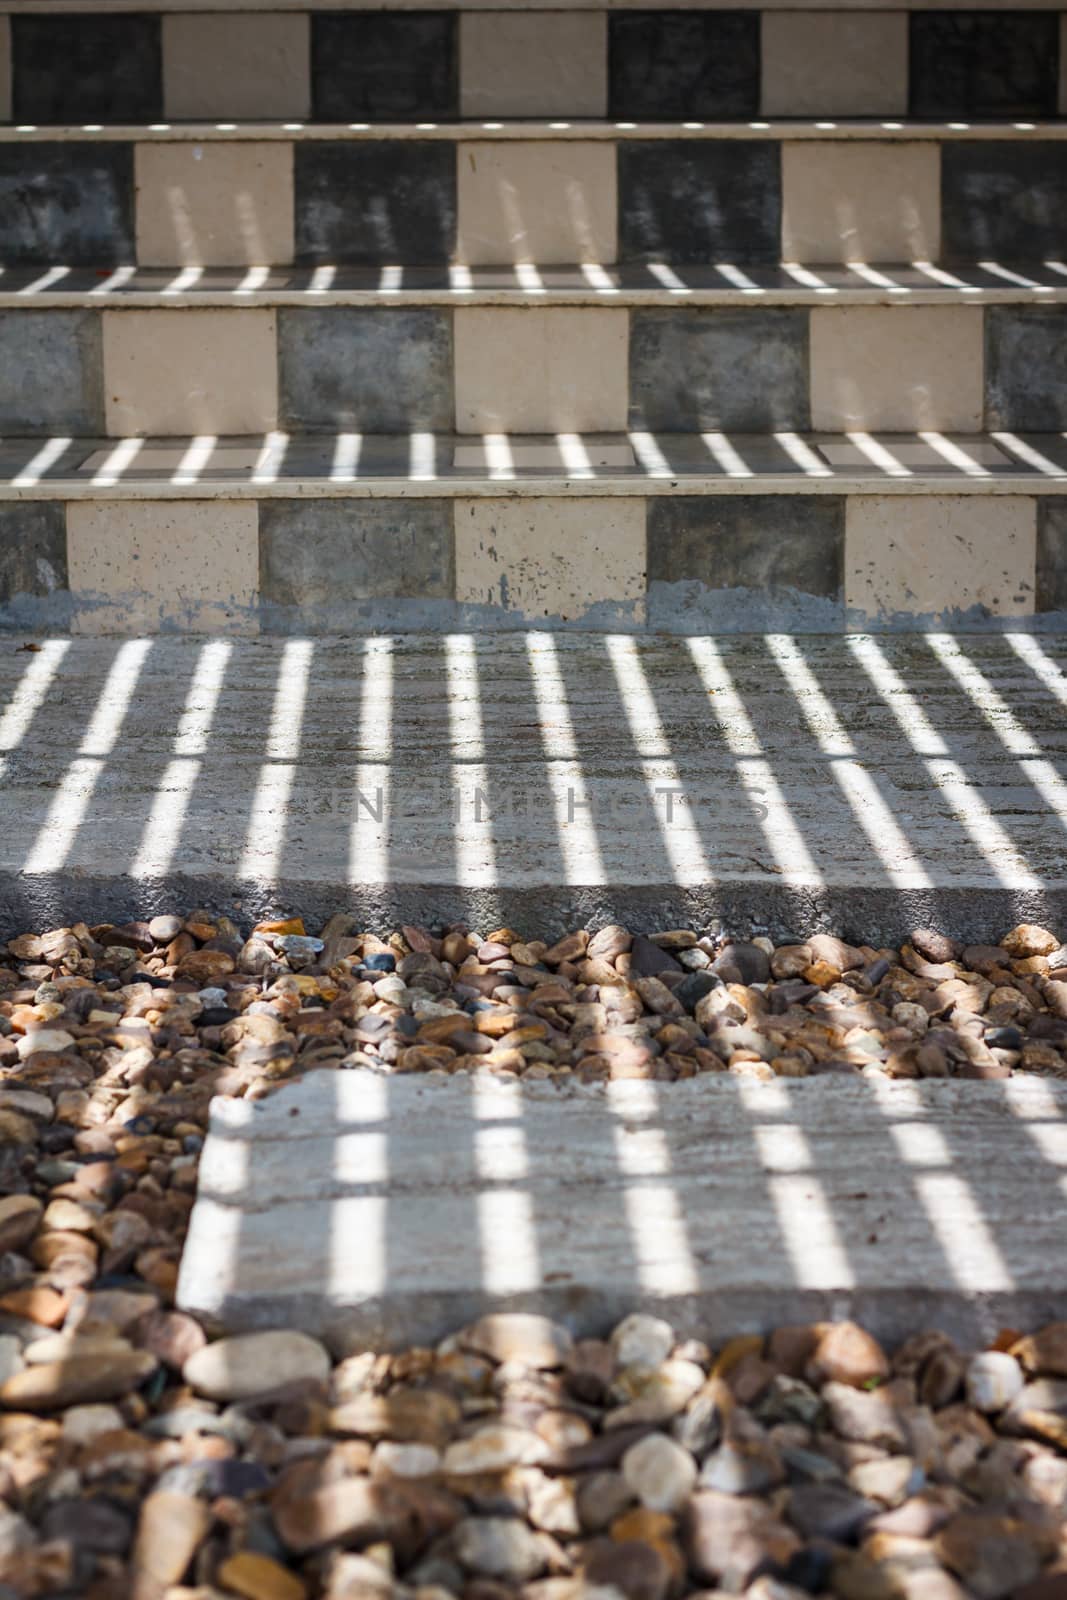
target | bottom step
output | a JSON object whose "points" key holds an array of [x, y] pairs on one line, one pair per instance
{"points": [[726, 1206], [675, 533]]}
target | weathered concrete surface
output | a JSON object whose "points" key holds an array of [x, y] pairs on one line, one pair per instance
{"points": [[862, 784], [389, 1210]]}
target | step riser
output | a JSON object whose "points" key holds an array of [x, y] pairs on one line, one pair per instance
{"points": [[681, 564], [496, 369], [664, 64], [411, 200]]}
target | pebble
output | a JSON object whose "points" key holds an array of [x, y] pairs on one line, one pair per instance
{"points": [[993, 1380], [255, 1363], [500, 1547], [642, 1341], [659, 1472]]}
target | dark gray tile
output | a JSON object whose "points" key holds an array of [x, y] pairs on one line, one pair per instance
{"points": [[66, 203], [325, 554], [384, 66], [1026, 368], [1051, 586], [1003, 201], [51, 375], [377, 370], [685, 64], [375, 203], [744, 371], [700, 201], [984, 63], [33, 549], [86, 69]]}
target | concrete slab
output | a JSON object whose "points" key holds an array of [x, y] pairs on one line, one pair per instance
{"points": [[863, 783], [390, 1210]]}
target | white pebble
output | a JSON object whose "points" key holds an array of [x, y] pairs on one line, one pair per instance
{"points": [[994, 1378], [660, 1473]]}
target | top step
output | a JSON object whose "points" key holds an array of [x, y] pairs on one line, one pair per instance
{"points": [[70, 62]]}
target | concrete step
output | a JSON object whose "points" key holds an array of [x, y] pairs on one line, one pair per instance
{"points": [[681, 533], [623, 61], [312, 364], [870, 784], [547, 192], [387, 1211]]}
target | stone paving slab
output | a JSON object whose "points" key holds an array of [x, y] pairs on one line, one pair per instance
{"points": [[869, 785], [381, 1211]]}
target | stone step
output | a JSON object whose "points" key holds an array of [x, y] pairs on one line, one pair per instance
{"points": [[387, 1211], [680, 533], [678, 61], [553, 192], [635, 283], [315, 366], [539, 780]]}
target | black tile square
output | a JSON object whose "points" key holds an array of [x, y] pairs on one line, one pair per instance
{"points": [[51, 372], [691, 200], [384, 66], [780, 556], [1051, 583], [373, 370], [743, 371], [321, 555], [1026, 368], [375, 203], [67, 203], [1003, 201], [684, 64], [68, 69], [33, 551], [984, 63]]}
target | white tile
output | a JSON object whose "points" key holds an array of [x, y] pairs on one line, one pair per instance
{"points": [[243, 68], [900, 368], [190, 371], [528, 370], [834, 63], [934, 556], [533, 64], [139, 566], [217, 205], [860, 200], [545, 202], [552, 558]]}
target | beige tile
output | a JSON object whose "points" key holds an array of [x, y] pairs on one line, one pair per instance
{"points": [[533, 64], [190, 371], [896, 367], [533, 370], [138, 566], [860, 201], [928, 555], [552, 557], [834, 63], [218, 205], [547, 203], [5, 69], [243, 68]]}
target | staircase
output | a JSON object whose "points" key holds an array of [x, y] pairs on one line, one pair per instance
{"points": [[691, 320]]}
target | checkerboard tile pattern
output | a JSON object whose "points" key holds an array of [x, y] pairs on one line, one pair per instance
{"points": [[411, 202], [418, 65], [535, 369], [678, 564]]}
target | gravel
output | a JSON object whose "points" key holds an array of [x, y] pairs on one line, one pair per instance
{"points": [[143, 1457]]}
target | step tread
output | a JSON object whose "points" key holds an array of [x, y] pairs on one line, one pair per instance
{"points": [[556, 129], [449, 464], [591, 283]]}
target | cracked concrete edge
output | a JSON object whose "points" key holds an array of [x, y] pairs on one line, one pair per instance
{"points": [[869, 912]]}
